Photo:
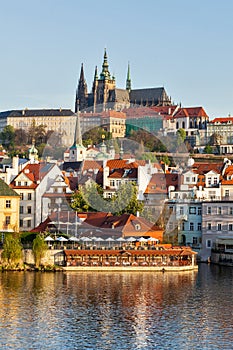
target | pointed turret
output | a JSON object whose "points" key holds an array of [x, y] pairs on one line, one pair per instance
{"points": [[81, 92], [105, 74], [128, 79]]}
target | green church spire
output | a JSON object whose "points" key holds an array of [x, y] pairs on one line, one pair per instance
{"points": [[105, 72]]}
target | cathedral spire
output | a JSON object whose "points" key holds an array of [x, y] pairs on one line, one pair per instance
{"points": [[128, 79], [81, 93], [105, 72], [96, 74]]}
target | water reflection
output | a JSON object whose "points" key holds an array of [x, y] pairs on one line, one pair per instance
{"points": [[115, 310]]}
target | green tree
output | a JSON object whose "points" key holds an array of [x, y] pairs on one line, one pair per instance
{"points": [[8, 136], [125, 200], [39, 248], [12, 250], [208, 149], [78, 202], [181, 136]]}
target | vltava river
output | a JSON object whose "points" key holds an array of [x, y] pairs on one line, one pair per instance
{"points": [[188, 310]]}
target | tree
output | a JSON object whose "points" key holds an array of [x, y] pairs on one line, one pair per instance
{"points": [[36, 132], [12, 250], [90, 198], [78, 202], [181, 136], [208, 149], [125, 200], [39, 248], [8, 136], [21, 137]]}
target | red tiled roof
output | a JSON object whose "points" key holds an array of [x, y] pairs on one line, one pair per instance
{"points": [[203, 168], [91, 164], [191, 112], [222, 120]]}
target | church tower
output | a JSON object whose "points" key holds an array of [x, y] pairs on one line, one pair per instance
{"points": [[104, 87], [128, 80], [77, 152], [81, 92]]}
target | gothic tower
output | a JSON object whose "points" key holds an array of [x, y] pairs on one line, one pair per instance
{"points": [[104, 87], [128, 80], [81, 92]]}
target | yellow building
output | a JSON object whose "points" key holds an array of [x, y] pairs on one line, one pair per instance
{"points": [[9, 209], [61, 121]]}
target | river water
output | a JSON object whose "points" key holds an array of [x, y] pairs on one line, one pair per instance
{"points": [[112, 310]]}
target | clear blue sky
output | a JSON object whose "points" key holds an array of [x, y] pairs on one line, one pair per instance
{"points": [[184, 45]]}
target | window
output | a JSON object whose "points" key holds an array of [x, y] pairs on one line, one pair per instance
{"points": [[219, 227], [227, 193], [21, 209], [231, 210], [192, 210], [19, 183], [182, 226], [112, 182], [208, 243], [187, 179], [199, 211], [25, 183], [137, 227], [8, 203], [215, 180], [209, 181], [29, 223], [21, 223], [191, 226], [193, 179], [208, 210], [219, 211], [21, 196], [29, 210], [230, 227], [29, 196], [209, 226], [199, 226], [181, 210], [7, 220], [195, 240]]}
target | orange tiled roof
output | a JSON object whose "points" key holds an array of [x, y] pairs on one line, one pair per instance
{"points": [[203, 168], [222, 120]]}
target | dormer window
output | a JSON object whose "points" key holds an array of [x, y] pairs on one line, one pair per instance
{"points": [[19, 183], [137, 227]]}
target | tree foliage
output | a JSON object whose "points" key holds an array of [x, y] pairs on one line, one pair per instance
{"points": [[90, 198], [12, 250], [181, 135], [8, 136], [39, 248]]}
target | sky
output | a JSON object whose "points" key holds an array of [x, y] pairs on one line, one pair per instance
{"points": [[185, 46]]}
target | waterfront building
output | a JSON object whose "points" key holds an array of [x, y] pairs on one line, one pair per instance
{"points": [[9, 209], [30, 184], [185, 222], [217, 221]]}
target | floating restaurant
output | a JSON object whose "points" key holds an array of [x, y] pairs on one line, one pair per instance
{"points": [[159, 259]]}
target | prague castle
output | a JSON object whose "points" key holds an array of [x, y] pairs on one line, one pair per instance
{"points": [[105, 95]]}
